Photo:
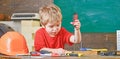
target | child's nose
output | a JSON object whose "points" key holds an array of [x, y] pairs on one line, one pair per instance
{"points": [[55, 29]]}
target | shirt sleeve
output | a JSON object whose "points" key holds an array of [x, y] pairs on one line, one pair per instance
{"points": [[67, 36]]}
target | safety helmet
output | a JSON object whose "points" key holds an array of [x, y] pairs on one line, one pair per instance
{"points": [[13, 43]]}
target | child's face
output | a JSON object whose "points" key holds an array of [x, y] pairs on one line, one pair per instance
{"points": [[53, 28]]}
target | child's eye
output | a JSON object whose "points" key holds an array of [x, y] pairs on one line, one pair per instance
{"points": [[58, 25], [51, 26]]}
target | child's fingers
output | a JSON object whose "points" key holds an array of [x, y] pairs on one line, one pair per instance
{"points": [[77, 27], [76, 24]]}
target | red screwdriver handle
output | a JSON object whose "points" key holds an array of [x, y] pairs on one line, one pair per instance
{"points": [[75, 16]]}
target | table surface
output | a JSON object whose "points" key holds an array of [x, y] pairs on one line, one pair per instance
{"points": [[82, 57], [87, 55]]}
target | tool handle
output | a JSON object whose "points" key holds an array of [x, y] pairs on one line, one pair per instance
{"points": [[75, 16]]}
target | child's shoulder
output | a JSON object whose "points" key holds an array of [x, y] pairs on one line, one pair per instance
{"points": [[63, 28], [40, 30]]}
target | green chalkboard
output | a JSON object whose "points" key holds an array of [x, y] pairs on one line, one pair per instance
{"points": [[94, 15]]}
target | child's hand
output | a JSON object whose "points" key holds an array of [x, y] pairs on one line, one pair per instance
{"points": [[76, 24], [59, 51]]}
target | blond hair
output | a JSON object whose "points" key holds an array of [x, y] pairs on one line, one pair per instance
{"points": [[50, 13]]}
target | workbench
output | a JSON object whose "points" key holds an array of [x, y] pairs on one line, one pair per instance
{"points": [[82, 57], [87, 55]]}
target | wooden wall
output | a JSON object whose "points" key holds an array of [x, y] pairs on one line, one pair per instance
{"points": [[89, 40], [96, 40], [13, 6]]}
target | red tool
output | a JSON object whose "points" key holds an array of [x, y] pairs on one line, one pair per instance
{"points": [[75, 16]]}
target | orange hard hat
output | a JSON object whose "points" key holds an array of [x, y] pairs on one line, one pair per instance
{"points": [[13, 43]]}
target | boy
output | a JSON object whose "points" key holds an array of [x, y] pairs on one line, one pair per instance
{"points": [[52, 37]]}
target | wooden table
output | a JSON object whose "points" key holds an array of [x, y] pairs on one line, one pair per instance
{"points": [[87, 55], [82, 57]]}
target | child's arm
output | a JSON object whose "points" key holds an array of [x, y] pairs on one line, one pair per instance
{"points": [[76, 38], [59, 51]]}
